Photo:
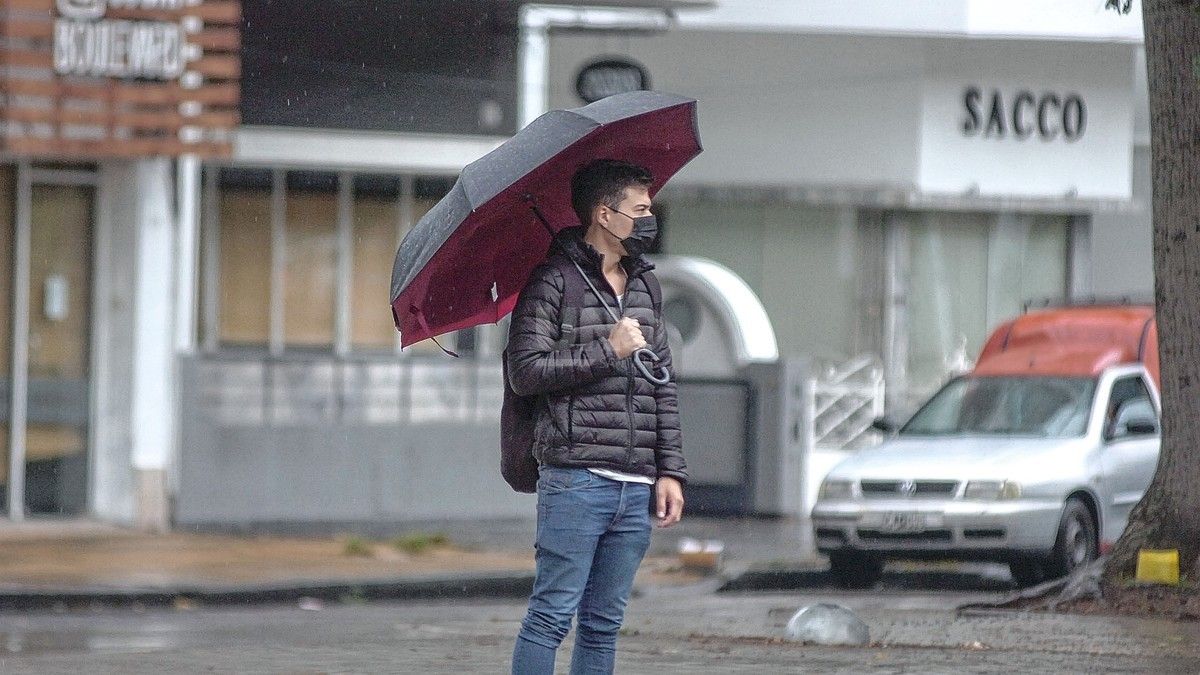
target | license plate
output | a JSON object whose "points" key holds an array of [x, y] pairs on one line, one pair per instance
{"points": [[905, 521]]}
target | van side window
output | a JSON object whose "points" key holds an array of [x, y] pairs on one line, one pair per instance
{"points": [[1129, 400]]}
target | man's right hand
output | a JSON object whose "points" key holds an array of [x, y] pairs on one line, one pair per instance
{"points": [[626, 337]]}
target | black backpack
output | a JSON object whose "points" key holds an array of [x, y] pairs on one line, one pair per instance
{"points": [[518, 414]]}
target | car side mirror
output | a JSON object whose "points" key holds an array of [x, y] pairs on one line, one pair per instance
{"points": [[884, 425], [1141, 426]]}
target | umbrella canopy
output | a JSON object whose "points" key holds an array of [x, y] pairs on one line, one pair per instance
{"points": [[466, 261]]}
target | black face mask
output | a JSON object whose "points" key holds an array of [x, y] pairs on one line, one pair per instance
{"points": [[645, 230]]}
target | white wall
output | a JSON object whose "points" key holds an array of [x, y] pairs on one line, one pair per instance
{"points": [[153, 378], [775, 110], [135, 390], [824, 16], [111, 480], [1121, 241], [877, 112], [1074, 19]]}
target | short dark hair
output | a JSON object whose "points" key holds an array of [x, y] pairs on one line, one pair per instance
{"points": [[603, 181]]}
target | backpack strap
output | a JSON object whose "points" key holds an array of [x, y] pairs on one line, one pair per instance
{"points": [[571, 301], [574, 286], [655, 290]]}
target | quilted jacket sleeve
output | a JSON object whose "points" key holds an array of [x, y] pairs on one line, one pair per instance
{"points": [[668, 453], [535, 364]]}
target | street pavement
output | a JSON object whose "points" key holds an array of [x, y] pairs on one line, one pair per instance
{"points": [[678, 622], [675, 630]]}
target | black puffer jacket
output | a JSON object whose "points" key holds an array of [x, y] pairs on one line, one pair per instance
{"points": [[600, 411]]}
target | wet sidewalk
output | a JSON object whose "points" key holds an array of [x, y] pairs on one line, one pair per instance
{"points": [[679, 631], [70, 565], [73, 566], [52, 563]]}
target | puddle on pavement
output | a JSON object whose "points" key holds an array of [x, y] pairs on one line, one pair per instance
{"points": [[45, 642]]}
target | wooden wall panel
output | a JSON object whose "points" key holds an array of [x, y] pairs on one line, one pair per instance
{"points": [[374, 238], [310, 274], [8, 185], [46, 114], [60, 245], [245, 264]]}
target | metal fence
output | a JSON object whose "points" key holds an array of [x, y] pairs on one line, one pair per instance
{"points": [[363, 391], [324, 440], [843, 401]]}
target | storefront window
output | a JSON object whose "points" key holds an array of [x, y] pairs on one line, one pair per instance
{"points": [[947, 294], [802, 260], [7, 192], [1027, 261], [310, 270], [260, 263], [967, 273], [385, 208], [379, 222], [244, 258], [59, 323]]}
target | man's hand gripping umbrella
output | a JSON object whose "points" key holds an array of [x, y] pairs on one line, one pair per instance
{"points": [[641, 354]]}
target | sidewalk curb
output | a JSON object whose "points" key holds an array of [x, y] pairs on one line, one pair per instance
{"points": [[775, 580], [488, 585], [815, 577], [980, 611]]}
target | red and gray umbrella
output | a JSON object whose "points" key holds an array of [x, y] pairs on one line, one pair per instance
{"points": [[466, 261]]}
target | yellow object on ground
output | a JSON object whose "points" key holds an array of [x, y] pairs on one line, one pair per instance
{"points": [[1158, 567]]}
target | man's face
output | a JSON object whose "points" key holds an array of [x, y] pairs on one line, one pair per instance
{"points": [[634, 204]]}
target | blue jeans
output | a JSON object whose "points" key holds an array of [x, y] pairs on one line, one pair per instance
{"points": [[592, 533]]}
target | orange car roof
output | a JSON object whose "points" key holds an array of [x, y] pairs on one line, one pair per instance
{"points": [[1072, 341]]}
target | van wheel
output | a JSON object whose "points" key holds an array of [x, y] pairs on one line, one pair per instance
{"points": [[1077, 544], [1026, 572], [855, 570]]}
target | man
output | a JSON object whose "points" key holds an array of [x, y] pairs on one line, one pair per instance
{"points": [[607, 439]]}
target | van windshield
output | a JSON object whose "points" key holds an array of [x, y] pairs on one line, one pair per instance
{"points": [[1010, 406]]}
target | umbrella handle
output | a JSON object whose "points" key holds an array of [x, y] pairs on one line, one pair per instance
{"points": [[664, 378]]}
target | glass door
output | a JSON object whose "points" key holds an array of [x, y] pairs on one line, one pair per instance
{"points": [[47, 318], [8, 184], [969, 272], [59, 321]]}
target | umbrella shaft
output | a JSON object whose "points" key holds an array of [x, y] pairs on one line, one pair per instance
{"points": [[656, 379], [596, 292]]}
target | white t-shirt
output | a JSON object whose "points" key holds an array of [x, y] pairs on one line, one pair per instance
{"points": [[621, 475]]}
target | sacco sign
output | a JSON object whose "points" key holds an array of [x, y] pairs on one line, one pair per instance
{"points": [[992, 114], [85, 43]]}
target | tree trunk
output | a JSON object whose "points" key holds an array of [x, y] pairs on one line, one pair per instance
{"points": [[1169, 514]]}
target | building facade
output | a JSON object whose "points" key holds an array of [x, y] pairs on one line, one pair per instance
{"points": [[895, 185], [107, 111], [198, 335]]}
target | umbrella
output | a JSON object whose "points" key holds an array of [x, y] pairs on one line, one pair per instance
{"points": [[467, 259]]}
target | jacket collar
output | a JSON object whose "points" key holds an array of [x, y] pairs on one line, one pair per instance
{"points": [[570, 243]]}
